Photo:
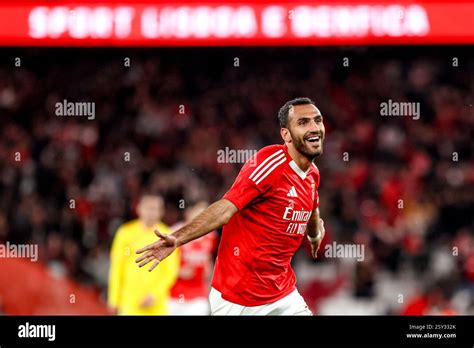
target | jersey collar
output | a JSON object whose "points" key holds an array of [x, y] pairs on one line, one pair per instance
{"points": [[295, 167], [298, 170]]}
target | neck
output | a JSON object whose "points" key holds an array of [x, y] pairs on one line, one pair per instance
{"points": [[301, 160], [148, 225]]}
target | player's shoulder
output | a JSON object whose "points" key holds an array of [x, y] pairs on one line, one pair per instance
{"points": [[127, 229], [274, 154], [268, 162], [270, 150], [314, 168], [127, 226], [314, 172]]}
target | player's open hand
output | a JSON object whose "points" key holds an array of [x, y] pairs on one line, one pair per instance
{"points": [[157, 251], [315, 245]]}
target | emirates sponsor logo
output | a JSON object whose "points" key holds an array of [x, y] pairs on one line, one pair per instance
{"points": [[298, 218], [296, 215]]}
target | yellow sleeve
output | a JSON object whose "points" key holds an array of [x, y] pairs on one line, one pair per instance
{"points": [[118, 257], [159, 282], [169, 270], [169, 267]]}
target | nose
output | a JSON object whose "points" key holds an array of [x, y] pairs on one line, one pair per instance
{"points": [[316, 127]]}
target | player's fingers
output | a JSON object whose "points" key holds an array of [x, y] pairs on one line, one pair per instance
{"points": [[157, 262], [148, 247], [159, 234], [143, 257], [322, 229], [146, 261], [316, 249], [162, 236]]}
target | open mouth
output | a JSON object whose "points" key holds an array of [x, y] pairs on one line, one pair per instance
{"points": [[313, 139]]}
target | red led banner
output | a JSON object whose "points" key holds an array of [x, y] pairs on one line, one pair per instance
{"points": [[170, 24]]}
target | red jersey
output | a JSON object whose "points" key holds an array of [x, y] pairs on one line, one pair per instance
{"points": [[275, 199], [194, 270]]}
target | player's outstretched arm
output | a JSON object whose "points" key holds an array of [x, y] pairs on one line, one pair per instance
{"points": [[215, 216]]}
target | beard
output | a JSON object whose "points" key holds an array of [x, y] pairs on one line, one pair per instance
{"points": [[305, 148]]}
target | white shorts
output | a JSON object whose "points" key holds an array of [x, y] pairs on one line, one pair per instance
{"points": [[197, 306], [292, 304]]}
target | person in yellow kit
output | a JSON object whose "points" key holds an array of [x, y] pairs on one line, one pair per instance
{"points": [[133, 290]]}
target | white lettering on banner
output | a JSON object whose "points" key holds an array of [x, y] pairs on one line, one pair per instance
{"points": [[199, 22], [224, 21], [359, 21], [80, 22], [273, 21]]}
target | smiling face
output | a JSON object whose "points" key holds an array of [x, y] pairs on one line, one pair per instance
{"points": [[305, 130]]}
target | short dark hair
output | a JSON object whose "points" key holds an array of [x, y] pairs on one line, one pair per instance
{"points": [[285, 109]]}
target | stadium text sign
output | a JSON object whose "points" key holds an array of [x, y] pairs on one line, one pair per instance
{"points": [[241, 23]]}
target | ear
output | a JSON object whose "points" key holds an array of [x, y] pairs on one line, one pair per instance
{"points": [[285, 134]]}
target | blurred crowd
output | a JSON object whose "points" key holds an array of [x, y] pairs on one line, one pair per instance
{"points": [[402, 187]]}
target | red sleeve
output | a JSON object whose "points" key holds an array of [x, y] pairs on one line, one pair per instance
{"points": [[316, 194], [256, 176], [316, 200]]}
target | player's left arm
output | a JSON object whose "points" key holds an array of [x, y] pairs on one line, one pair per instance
{"points": [[315, 232]]}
